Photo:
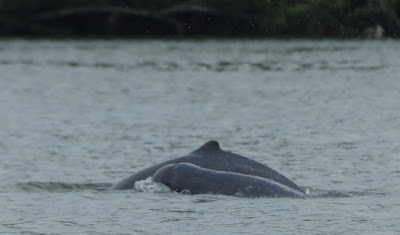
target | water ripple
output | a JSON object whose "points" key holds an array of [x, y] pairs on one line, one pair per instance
{"points": [[216, 66], [36, 186]]}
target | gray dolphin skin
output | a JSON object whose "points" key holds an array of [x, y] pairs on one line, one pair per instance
{"points": [[210, 156], [186, 176]]}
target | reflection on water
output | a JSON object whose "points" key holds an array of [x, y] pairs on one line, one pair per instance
{"points": [[150, 186], [218, 66]]}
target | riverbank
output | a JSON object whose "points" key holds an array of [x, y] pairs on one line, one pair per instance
{"points": [[125, 18]]}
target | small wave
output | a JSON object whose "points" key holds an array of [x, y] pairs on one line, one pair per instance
{"points": [[312, 49], [148, 185], [61, 186], [22, 61], [312, 192]]}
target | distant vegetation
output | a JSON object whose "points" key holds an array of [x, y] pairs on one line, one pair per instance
{"points": [[238, 18]]}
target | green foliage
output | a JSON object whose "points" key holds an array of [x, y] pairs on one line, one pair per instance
{"points": [[310, 18]]}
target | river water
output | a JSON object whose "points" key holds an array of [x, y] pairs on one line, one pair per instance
{"points": [[77, 116]]}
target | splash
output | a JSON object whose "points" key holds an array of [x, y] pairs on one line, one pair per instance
{"points": [[148, 185]]}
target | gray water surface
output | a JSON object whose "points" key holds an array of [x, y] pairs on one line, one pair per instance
{"points": [[77, 116]]}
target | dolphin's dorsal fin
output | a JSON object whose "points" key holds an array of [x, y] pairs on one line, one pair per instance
{"points": [[208, 148]]}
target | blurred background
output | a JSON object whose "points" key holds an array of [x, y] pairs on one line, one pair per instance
{"points": [[209, 18]]}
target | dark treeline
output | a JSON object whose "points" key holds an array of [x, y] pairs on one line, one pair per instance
{"points": [[249, 18]]}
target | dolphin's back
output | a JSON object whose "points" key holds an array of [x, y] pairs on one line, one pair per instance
{"points": [[232, 162], [198, 180], [211, 156]]}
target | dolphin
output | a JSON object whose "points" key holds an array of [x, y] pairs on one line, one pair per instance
{"points": [[192, 179], [211, 156]]}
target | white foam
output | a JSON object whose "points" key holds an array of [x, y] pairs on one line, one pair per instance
{"points": [[148, 185], [308, 192]]}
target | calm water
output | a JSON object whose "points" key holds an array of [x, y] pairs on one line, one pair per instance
{"points": [[77, 116]]}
